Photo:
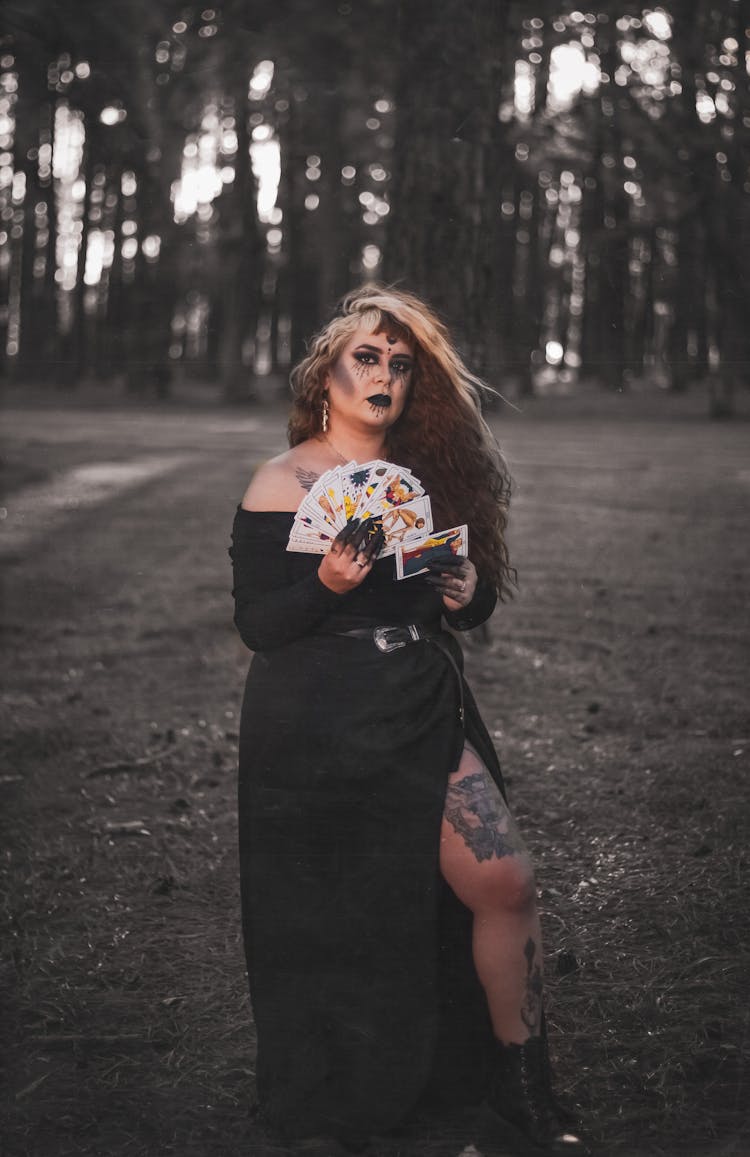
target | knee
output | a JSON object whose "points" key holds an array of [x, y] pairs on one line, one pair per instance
{"points": [[507, 885]]}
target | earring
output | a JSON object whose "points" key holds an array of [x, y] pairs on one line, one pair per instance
{"points": [[325, 408]]}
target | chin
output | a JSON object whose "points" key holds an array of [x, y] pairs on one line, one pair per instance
{"points": [[385, 416]]}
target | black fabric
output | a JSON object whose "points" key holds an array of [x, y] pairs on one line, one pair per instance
{"points": [[361, 981]]}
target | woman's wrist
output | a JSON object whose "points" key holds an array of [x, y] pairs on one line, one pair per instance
{"points": [[331, 582]]}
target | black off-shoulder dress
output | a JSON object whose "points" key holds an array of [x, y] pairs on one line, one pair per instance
{"points": [[363, 990]]}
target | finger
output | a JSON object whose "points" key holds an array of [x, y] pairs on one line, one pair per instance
{"points": [[457, 590], [449, 572], [450, 580], [374, 547], [453, 598], [365, 555], [444, 589], [453, 560], [360, 536], [347, 532]]}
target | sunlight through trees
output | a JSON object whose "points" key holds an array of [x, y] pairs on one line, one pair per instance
{"points": [[187, 190]]}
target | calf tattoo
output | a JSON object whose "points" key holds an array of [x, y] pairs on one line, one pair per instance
{"points": [[476, 812], [532, 1001]]}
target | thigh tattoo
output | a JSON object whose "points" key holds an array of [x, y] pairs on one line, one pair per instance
{"points": [[475, 810]]}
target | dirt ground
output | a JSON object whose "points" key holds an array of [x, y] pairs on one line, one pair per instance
{"points": [[615, 686]]}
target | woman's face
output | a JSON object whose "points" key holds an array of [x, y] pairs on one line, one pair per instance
{"points": [[368, 384]]}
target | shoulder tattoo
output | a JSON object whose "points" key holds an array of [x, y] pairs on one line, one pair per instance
{"points": [[306, 478]]}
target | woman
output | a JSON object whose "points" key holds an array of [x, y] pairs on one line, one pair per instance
{"points": [[389, 913]]}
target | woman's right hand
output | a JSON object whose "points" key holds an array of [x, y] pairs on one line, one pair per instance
{"points": [[350, 558]]}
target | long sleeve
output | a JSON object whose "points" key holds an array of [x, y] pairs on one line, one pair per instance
{"points": [[270, 608], [477, 611]]}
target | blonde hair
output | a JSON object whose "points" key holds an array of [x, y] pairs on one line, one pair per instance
{"points": [[441, 435]]}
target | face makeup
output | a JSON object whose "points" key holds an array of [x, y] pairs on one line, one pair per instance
{"points": [[370, 379]]}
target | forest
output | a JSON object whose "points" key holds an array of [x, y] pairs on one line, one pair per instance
{"points": [[186, 191]]}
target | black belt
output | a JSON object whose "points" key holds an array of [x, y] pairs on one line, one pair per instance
{"points": [[391, 638]]}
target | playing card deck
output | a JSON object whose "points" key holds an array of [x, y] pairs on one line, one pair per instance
{"points": [[386, 495]]}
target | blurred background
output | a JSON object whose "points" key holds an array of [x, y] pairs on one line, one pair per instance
{"points": [[185, 191]]}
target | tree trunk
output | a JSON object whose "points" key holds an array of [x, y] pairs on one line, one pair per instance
{"points": [[446, 184], [243, 255], [528, 281], [720, 208], [298, 269], [613, 236]]}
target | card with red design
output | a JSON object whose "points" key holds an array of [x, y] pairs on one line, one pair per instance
{"points": [[412, 558]]}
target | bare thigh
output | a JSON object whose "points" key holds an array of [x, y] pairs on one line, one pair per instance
{"points": [[482, 854]]}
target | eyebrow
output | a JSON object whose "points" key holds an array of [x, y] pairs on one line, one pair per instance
{"points": [[375, 349]]}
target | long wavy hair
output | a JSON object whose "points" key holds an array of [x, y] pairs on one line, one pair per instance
{"points": [[441, 434]]}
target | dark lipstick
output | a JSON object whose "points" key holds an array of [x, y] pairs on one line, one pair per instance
{"points": [[382, 401]]}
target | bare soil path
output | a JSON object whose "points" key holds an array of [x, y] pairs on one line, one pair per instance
{"points": [[616, 688]]}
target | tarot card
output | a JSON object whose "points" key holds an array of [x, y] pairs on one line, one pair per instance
{"points": [[310, 525], [310, 518], [312, 522], [304, 546], [398, 487], [309, 541], [377, 472], [372, 491], [335, 494], [354, 480], [405, 523], [412, 558], [321, 500]]}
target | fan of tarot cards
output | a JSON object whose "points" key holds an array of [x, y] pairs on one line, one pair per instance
{"points": [[384, 496]]}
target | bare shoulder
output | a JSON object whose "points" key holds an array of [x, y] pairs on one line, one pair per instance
{"points": [[281, 483], [273, 486]]}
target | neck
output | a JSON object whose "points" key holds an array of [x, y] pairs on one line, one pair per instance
{"points": [[353, 445]]}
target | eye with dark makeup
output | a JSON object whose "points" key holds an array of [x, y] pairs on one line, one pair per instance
{"points": [[365, 360]]}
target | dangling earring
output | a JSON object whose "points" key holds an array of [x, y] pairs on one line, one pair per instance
{"points": [[325, 409]]}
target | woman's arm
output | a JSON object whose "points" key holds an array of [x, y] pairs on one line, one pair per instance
{"points": [[269, 611], [468, 600], [475, 612]]}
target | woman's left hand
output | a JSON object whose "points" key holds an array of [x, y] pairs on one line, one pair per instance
{"points": [[455, 580]]}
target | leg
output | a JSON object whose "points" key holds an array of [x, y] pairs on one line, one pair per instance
{"points": [[483, 859]]}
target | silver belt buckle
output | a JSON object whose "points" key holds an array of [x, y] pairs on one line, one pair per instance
{"points": [[380, 635]]}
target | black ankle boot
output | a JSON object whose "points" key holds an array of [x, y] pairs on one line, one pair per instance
{"points": [[521, 1113], [563, 1112]]}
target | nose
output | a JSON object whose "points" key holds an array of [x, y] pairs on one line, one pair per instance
{"points": [[383, 373]]}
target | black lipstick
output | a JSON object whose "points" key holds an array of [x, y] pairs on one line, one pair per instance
{"points": [[382, 401]]}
